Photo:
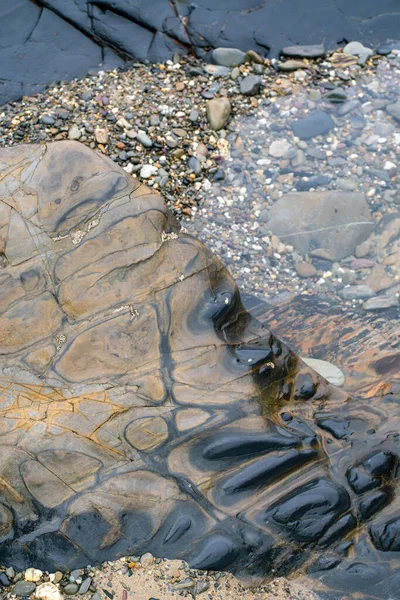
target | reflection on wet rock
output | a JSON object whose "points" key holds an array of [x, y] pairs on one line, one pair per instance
{"points": [[143, 408]]}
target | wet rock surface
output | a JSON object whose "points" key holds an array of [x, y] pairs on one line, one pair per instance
{"points": [[52, 40], [130, 426]]}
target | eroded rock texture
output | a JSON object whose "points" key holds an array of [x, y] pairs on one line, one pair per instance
{"points": [[143, 409], [51, 40]]}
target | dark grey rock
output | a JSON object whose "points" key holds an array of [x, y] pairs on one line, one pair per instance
{"points": [[194, 165], [47, 120], [316, 123], [336, 96], [250, 85], [311, 51]]}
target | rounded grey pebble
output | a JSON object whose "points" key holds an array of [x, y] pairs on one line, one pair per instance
{"points": [[70, 589], [23, 588]]}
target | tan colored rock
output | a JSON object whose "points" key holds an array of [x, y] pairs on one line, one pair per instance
{"points": [[218, 111], [379, 280], [363, 249], [304, 269], [101, 136]]}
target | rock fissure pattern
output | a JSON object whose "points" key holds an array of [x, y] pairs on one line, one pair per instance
{"points": [[144, 409], [52, 40]]}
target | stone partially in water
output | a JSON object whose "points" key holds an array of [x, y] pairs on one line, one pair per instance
{"points": [[144, 410], [335, 221], [316, 123]]}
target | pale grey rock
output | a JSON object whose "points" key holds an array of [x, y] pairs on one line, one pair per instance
{"points": [[335, 221], [228, 57]]}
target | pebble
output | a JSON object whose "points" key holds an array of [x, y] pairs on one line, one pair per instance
{"points": [[348, 107], [85, 585], [381, 302], [71, 589], [356, 292], [250, 85], [216, 70], [4, 581], [148, 171], [146, 560], [316, 123], [228, 57], [394, 111], [336, 96], [48, 120], [23, 588], [74, 133], [218, 112], [32, 574], [291, 65], [357, 49], [101, 136], [304, 269], [278, 148], [378, 280], [123, 123], [144, 139], [310, 51]]}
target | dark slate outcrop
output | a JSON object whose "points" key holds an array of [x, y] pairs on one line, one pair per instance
{"points": [[53, 40]]}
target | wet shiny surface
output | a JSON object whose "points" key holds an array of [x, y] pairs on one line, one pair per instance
{"points": [[144, 409]]}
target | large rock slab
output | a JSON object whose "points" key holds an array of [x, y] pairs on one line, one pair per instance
{"points": [[335, 221], [143, 409]]}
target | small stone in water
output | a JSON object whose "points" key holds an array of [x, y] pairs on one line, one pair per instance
{"points": [[304, 269], [250, 85]]}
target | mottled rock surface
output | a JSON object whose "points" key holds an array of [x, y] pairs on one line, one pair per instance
{"points": [[143, 409]]}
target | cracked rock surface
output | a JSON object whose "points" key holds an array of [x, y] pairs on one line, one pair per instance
{"points": [[143, 409], [52, 40]]}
